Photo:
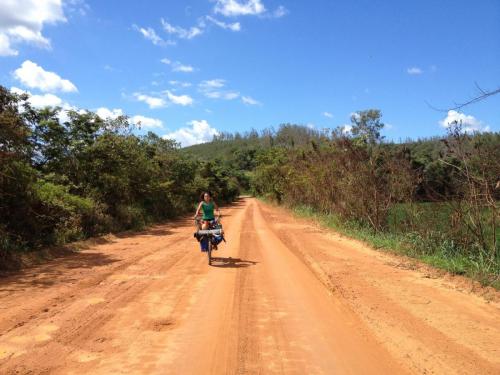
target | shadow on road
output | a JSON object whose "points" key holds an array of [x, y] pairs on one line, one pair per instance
{"points": [[63, 270], [231, 262], [62, 265], [156, 230]]}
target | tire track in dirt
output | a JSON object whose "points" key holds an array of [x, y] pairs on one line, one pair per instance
{"points": [[282, 297], [430, 325]]}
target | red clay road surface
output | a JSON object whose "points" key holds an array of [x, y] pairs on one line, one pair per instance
{"points": [[283, 297]]}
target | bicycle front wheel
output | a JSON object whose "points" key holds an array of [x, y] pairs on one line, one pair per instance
{"points": [[209, 252]]}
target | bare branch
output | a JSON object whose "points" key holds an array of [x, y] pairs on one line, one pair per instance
{"points": [[481, 90], [483, 94]]}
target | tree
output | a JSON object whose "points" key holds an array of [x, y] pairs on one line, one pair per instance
{"points": [[366, 126]]}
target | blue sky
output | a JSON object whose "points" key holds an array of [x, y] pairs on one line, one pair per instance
{"points": [[187, 69]]}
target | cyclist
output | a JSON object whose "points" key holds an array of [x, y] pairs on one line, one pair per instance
{"points": [[207, 206]]}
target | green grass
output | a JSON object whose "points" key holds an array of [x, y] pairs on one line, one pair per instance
{"points": [[435, 251], [428, 217], [435, 213]]}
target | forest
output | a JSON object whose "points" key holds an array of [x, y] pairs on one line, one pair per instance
{"points": [[433, 199], [66, 178]]}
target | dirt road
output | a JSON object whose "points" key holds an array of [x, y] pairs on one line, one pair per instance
{"points": [[284, 297]]}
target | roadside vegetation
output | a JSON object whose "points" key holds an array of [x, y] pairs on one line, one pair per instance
{"points": [[65, 178], [433, 199]]}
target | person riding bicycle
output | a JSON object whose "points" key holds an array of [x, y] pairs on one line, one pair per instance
{"points": [[207, 206]]}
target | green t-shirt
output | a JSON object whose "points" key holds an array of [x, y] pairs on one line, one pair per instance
{"points": [[208, 210]]}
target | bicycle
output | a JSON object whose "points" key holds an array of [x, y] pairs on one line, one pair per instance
{"points": [[209, 235]]}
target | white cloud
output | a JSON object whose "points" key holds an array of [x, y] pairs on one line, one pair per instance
{"points": [[33, 76], [158, 101], [235, 26], [181, 32], [182, 68], [346, 129], [22, 21], [233, 8], [355, 115], [178, 66], [76, 6], [281, 11], [230, 95], [327, 114], [5, 48], [199, 131], [414, 71], [142, 121], [249, 100], [48, 100], [106, 113], [41, 101], [152, 36], [180, 84], [63, 115], [213, 89], [151, 101], [226, 95], [183, 100], [147, 122], [212, 84], [469, 123]]}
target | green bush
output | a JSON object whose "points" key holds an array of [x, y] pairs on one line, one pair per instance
{"points": [[61, 182], [64, 212]]}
